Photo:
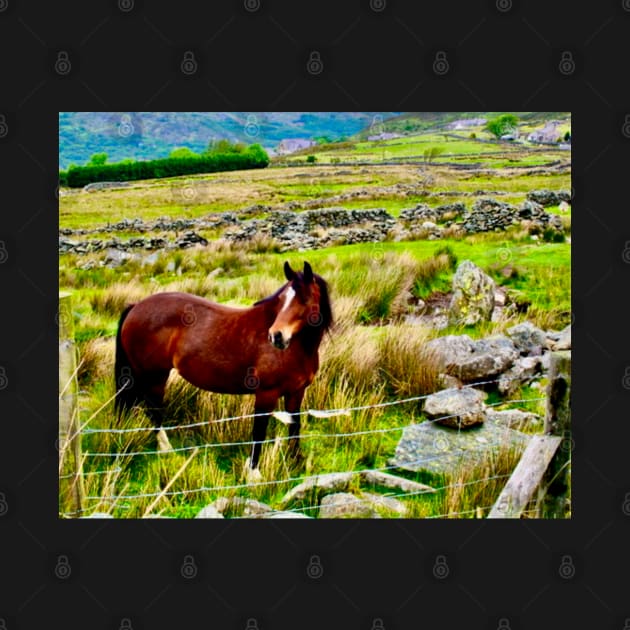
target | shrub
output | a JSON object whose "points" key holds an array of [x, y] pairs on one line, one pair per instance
{"points": [[253, 157]]}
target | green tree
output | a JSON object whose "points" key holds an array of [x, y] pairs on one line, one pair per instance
{"points": [[182, 152], [499, 126], [431, 153], [97, 159], [223, 145], [311, 159]]}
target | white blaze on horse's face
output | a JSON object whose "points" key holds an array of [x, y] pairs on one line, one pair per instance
{"points": [[288, 320]]}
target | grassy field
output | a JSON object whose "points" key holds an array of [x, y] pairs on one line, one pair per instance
{"points": [[373, 354]]}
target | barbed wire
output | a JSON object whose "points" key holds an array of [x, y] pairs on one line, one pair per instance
{"points": [[91, 472], [113, 499], [314, 412], [280, 438]]}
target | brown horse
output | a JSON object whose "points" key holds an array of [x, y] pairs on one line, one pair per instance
{"points": [[269, 350]]}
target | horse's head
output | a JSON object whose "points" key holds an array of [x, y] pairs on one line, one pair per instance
{"points": [[299, 306]]}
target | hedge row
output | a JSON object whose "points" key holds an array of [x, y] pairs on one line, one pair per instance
{"points": [[78, 176]]}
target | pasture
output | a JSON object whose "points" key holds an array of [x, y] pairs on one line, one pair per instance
{"points": [[374, 354]]}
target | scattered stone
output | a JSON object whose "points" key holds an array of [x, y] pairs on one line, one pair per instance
{"points": [[210, 511], [151, 259], [285, 514], [468, 360], [99, 515], [473, 295], [346, 505], [563, 341], [188, 239], [115, 258], [379, 478], [320, 485], [241, 506], [547, 197], [442, 450], [457, 408], [385, 504], [523, 371], [527, 338]]}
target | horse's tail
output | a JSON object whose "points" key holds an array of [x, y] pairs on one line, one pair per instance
{"points": [[126, 383]]}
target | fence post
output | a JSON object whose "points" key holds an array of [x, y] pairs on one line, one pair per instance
{"points": [[69, 438], [558, 423]]}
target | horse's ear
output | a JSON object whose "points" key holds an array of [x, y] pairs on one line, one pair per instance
{"points": [[288, 272], [308, 273]]}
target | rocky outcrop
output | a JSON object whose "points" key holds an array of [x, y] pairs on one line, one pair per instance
{"points": [[473, 295], [547, 197]]}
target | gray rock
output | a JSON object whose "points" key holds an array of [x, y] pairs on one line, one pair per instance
{"points": [[442, 450], [563, 341], [384, 505], [547, 197], [320, 485], [527, 338], [241, 506], [346, 505], [457, 408], [114, 257], [210, 511], [515, 419], [151, 259], [380, 478], [285, 514], [473, 295], [523, 371], [468, 360]]}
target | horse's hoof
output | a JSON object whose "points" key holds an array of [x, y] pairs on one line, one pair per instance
{"points": [[163, 442], [253, 475]]}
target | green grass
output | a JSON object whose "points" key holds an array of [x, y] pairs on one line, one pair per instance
{"points": [[371, 356]]}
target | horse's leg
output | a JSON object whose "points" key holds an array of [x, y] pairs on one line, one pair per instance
{"points": [[265, 404], [154, 387], [292, 404]]}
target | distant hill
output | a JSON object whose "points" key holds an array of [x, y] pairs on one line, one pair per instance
{"points": [[409, 122], [152, 135]]}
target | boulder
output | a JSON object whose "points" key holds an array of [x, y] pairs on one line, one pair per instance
{"points": [[473, 295], [346, 505], [468, 360], [457, 408], [527, 338], [444, 451]]}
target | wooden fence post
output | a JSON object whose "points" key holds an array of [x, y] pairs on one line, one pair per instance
{"points": [[558, 423], [69, 438], [543, 467]]}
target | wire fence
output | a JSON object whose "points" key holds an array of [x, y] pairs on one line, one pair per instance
{"points": [[112, 501]]}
